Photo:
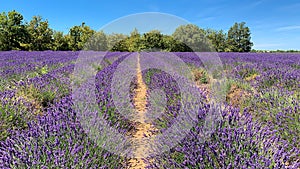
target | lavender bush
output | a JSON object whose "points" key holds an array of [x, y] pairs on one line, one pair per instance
{"points": [[40, 129]]}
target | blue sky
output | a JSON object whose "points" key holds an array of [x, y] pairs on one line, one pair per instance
{"points": [[274, 24]]}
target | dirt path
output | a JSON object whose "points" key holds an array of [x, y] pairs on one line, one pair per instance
{"points": [[143, 128]]}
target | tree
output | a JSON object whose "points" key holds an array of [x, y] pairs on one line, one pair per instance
{"points": [[97, 42], [217, 38], [120, 46], [60, 41], [12, 31], [74, 38], [130, 44], [37, 35], [114, 39], [134, 42], [169, 43], [239, 38], [86, 34], [40, 34], [79, 35], [152, 40], [172, 45], [192, 36]]}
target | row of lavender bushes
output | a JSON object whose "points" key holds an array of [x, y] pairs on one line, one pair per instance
{"points": [[261, 133]]}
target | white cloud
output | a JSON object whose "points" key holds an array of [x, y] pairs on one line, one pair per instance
{"points": [[288, 28]]}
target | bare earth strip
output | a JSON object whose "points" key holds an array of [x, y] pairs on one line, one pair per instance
{"points": [[142, 128]]}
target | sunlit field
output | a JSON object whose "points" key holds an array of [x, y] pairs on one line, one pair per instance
{"points": [[259, 122]]}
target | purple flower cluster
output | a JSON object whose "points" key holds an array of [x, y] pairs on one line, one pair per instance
{"points": [[268, 140], [272, 70], [237, 142], [263, 133], [55, 139], [20, 63]]}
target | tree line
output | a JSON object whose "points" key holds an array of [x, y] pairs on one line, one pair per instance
{"points": [[36, 35], [276, 51]]}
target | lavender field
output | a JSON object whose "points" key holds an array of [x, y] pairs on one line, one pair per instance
{"points": [[259, 125]]}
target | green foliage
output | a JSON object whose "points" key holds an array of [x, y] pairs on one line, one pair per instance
{"points": [[120, 46], [40, 34], [114, 39], [97, 42], [149, 75], [79, 35], [200, 75], [153, 40], [12, 31], [97, 67], [60, 42], [29, 101], [217, 38], [37, 35], [246, 72], [150, 41], [270, 106], [295, 66], [12, 116], [239, 38], [177, 156], [172, 45], [39, 71], [44, 70], [193, 36], [74, 38], [134, 42], [40, 98]]}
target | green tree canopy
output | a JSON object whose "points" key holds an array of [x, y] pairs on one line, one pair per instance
{"points": [[192, 36], [40, 34], [134, 42], [79, 35], [13, 32], [97, 42], [150, 41], [37, 35], [217, 39], [114, 38], [239, 38], [60, 41]]}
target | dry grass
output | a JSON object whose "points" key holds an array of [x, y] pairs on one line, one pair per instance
{"points": [[236, 95]]}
